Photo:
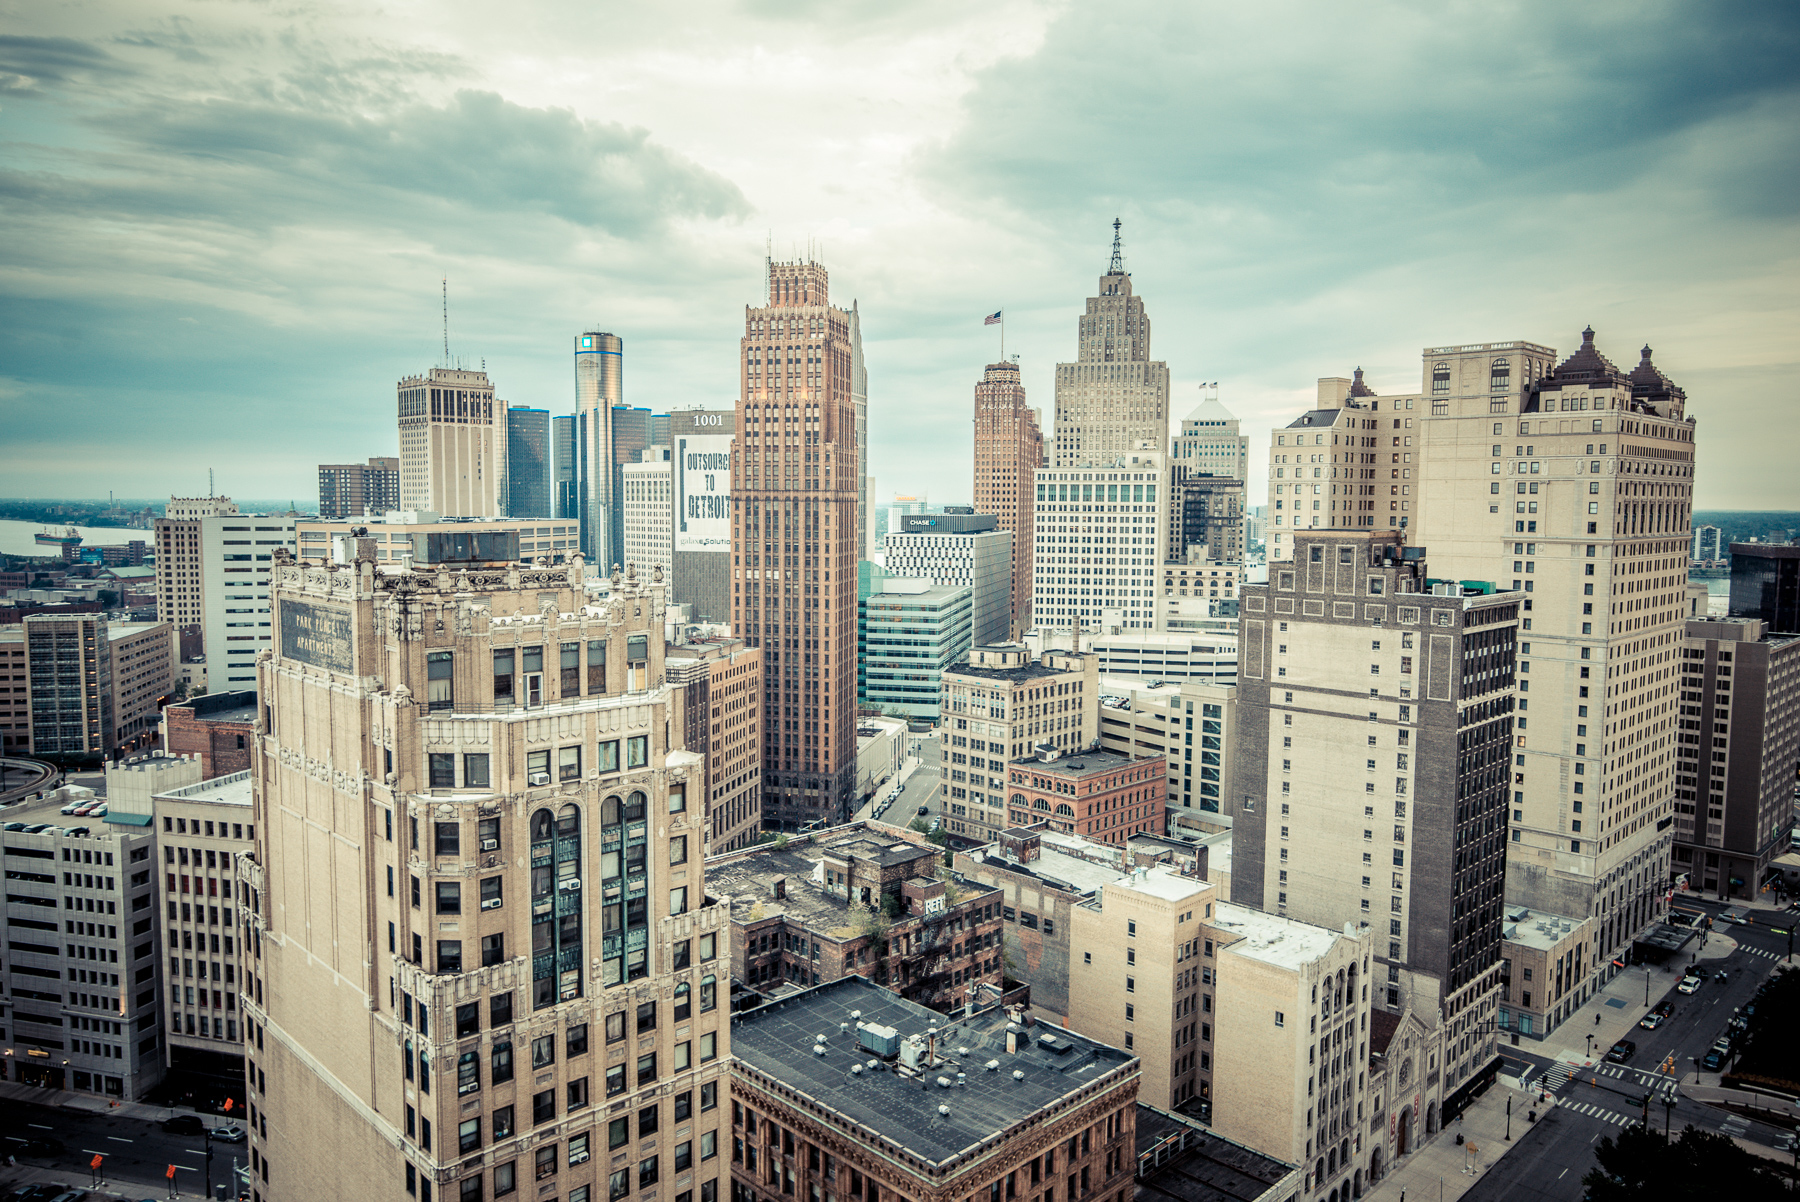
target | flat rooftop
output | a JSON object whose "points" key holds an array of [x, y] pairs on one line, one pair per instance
{"points": [[232, 790], [1182, 1160], [1018, 674], [1166, 885], [1057, 868], [777, 1041], [1537, 928], [1271, 938], [1079, 763], [747, 879]]}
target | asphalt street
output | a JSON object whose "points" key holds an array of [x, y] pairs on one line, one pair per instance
{"points": [[136, 1150], [1549, 1157]]}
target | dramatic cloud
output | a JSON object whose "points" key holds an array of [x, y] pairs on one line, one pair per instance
{"points": [[223, 229]]}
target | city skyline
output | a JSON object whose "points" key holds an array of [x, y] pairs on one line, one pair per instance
{"points": [[1321, 245]]}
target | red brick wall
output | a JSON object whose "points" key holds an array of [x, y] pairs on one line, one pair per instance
{"points": [[216, 743]]}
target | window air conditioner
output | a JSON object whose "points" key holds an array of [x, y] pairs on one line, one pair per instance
{"points": [[572, 885], [492, 903], [490, 845], [538, 778]]}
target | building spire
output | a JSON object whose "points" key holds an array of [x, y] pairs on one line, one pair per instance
{"points": [[1117, 266]]}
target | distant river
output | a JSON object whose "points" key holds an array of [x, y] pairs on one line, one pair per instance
{"points": [[20, 538]]}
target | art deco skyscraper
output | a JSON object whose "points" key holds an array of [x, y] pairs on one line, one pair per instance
{"points": [[1574, 486], [1009, 448], [859, 396], [1113, 398], [794, 537], [475, 940], [599, 385], [452, 444]]}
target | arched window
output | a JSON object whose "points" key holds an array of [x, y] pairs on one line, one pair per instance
{"points": [[1042, 804], [1440, 377], [1018, 799], [1064, 810], [609, 811], [709, 993], [542, 824], [634, 808], [568, 820], [682, 1001], [1499, 376]]}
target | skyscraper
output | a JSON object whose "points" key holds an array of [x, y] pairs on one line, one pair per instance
{"points": [[631, 433], [528, 462], [1209, 442], [1103, 528], [1375, 731], [794, 534], [452, 444], [859, 397], [1009, 448], [1113, 398], [702, 443], [566, 456], [518, 963], [599, 385], [1573, 486]]}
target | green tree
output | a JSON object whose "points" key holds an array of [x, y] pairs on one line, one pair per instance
{"points": [[1638, 1164], [1770, 1054]]}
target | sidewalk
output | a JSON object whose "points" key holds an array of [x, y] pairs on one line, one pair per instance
{"points": [[1619, 1004], [1452, 1168], [63, 1099]]}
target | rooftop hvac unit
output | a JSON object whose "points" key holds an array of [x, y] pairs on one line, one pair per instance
{"points": [[883, 1041], [912, 1051]]}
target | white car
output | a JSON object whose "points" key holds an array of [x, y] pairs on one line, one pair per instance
{"points": [[72, 807], [1689, 985]]}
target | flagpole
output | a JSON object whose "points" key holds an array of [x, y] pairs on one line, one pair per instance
{"points": [[1003, 335]]}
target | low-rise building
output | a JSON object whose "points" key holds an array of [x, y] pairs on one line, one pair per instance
{"points": [[1543, 978], [858, 900], [81, 968], [880, 749], [1183, 1160], [143, 676], [1100, 794], [218, 728], [847, 1090], [999, 705]]}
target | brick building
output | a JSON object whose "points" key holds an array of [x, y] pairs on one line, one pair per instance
{"points": [[868, 903], [723, 677], [830, 1098], [1100, 794], [220, 728]]}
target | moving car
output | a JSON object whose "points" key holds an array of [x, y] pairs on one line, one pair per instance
{"points": [[231, 1133], [184, 1124], [1622, 1051], [924, 810], [1688, 985], [1652, 1020]]}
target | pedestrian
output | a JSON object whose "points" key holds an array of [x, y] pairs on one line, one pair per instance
{"points": [[1596, 1020]]}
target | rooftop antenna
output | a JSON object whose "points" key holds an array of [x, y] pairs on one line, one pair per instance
{"points": [[446, 283], [209, 482], [1118, 258]]}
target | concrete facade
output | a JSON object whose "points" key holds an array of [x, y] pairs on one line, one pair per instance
{"points": [[1205, 512], [82, 971], [394, 535], [452, 444], [795, 534], [1544, 969], [1009, 448], [997, 706], [647, 498], [1382, 706], [143, 676], [236, 554], [180, 580], [69, 667], [1192, 725], [1209, 442], [1101, 529], [478, 933], [348, 490], [1573, 484], [1113, 399], [1738, 744]]}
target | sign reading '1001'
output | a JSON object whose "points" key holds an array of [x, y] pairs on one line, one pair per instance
{"points": [[319, 635], [703, 492]]}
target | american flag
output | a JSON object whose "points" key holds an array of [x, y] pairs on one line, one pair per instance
{"points": [[993, 319]]}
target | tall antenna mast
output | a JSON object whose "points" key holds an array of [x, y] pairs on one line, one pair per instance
{"points": [[447, 310], [1118, 258]]}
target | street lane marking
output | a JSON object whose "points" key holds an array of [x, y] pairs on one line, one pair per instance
{"points": [[121, 1139], [40, 1126]]}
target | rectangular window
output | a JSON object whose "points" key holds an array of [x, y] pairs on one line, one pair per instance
{"points": [[596, 667], [500, 1010], [571, 670], [606, 758], [501, 1063], [449, 897], [449, 955], [568, 763], [443, 770], [503, 677], [543, 1051], [439, 682], [637, 751], [543, 1107], [448, 838], [578, 1093], [475, 771]]}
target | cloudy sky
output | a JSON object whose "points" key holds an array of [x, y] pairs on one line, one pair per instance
{"points": [[223, 226]]}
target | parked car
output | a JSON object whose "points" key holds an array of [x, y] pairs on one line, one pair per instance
{"points": [[38, 828], [73, 806], [13, 826], [1622, 1051], [230, 1133], [1688, 985], [184, 1124], [1712, 1062], [1652, 1020], [1722, 1045]]}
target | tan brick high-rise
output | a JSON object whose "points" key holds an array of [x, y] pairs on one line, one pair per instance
{"points": [[1009, 447], [794, 539], [1113, 399], [478, 957]]}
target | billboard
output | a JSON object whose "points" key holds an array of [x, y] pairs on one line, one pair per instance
{"points": [[318, 635], [703, 492]]}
